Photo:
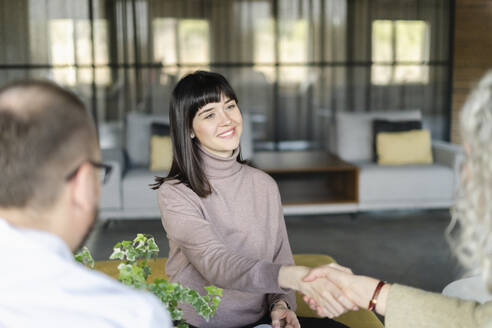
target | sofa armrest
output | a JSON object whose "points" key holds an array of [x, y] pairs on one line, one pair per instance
{"points": [[114, 156], [111, 190], [449, 155]]}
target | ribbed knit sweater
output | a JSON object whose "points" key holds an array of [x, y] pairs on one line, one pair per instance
{"points": [[234, 238]]}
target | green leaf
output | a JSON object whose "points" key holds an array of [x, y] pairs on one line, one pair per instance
{"points": [[131, 255], [212, 290], [117, 254], [84, 256], [152, 245], [140, 237]]}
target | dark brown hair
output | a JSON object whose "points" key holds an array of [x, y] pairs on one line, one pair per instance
{"points": [[44, 134], [191, 93]]}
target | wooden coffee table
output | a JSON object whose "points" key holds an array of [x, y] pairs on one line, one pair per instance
{"points": [[311, 181]]}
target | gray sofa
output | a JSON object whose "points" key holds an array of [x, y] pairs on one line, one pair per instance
{"points": [[396, 186]]}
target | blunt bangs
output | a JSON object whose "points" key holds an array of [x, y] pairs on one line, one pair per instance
{"points": [[204, 87]]}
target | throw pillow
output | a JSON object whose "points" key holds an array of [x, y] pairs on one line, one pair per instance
{"points": [[411, 147], [161, 153], [160, 129], [138, 134], [379, 125]]}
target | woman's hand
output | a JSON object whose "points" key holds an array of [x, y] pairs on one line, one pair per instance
{"points": [[324, 293], [283, 317], [357, 288]]}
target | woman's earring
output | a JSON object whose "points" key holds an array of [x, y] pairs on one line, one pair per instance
{"points": [[192, 135]]}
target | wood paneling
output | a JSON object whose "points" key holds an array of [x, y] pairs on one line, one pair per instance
{"points": [[472, 52]]}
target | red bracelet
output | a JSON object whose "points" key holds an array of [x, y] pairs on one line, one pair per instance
{"points": [[372, 303]]}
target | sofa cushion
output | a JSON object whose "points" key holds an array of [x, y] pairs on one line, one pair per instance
{"points": [[138, 136], [136, 190], [404, 183], [409, 147], [161, 153], [354, 132], [391, 126]]}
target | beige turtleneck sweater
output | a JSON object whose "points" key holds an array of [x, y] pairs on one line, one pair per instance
{"points": [[234, 239]]}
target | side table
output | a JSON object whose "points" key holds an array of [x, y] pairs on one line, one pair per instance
{"points": [[311, 182]]}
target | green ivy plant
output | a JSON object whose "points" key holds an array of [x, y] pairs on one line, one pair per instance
{"points": [[134, 270], [84, 256]]}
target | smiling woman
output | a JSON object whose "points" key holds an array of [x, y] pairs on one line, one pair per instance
{"points": [[223, 218], [204, 117]]}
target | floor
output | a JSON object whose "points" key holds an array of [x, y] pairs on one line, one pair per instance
{"points": [[404, 247]]}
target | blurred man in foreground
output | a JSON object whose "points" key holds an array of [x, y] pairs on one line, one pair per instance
{"points": [[50, 172]]}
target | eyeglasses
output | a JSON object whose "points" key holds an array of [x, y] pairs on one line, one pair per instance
{"points": [[104, 171]]}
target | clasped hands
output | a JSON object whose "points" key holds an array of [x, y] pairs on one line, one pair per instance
{"points": [[330, 290]]}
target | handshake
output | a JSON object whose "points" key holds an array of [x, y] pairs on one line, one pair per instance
{"points": [[332, 289]]}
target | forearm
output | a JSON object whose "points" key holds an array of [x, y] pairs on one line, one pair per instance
{"points": [[290, 276], [360, 289], [229, 270]]}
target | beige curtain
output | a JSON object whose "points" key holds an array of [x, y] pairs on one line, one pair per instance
{"points": [[293, 63]]}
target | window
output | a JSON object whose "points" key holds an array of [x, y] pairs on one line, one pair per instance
{"points": [[194, 41], [180, 41], [165, 40], [400, 50], [71, 46], [183, 41], [293, 48]]}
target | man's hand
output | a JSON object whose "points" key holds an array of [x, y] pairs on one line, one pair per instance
{"points": [[283, 317]]}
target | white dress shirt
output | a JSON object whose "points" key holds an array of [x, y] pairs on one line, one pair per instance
{"points": [[41, 285]]}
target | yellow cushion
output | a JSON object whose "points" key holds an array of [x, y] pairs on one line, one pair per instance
{"points": [[409, 147], [161, 153], [352, 319]]}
